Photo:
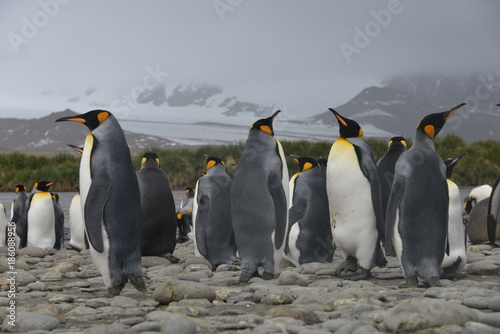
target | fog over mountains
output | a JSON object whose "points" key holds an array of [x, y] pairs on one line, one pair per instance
{"points": [[169, 115]]}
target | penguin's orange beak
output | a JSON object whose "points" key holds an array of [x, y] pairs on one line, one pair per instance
{"points": [[72, 119]]}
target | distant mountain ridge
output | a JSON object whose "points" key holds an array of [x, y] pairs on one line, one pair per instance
{"points": [[44, 134], [403, 101]]}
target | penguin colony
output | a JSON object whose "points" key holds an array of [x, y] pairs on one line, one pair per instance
{"points": [[405, 205]]}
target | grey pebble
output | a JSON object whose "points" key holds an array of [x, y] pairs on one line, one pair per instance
{"points": [[27, 321], [476, 328], [289, 277], [148, 326], [494, 303], [178, 324], [33, 252], [177, 290], [123, 302]]}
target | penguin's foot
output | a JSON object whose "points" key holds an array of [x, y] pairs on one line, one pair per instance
{"points": [[433, 281], [350, 265], [171, 258], [138, 283], [246, 275], [115, 290], [410, 282]]}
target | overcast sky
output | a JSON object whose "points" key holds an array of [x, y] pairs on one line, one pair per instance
{"points": [[304, 55]]}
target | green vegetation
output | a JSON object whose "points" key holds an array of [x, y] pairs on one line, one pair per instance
{"points": [[183, 166]]}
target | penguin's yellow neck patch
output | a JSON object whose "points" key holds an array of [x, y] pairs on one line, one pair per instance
{"points": [[403, 142], [429, 130], [360, 134], [179, 216], [210, 164], [143, 160]]}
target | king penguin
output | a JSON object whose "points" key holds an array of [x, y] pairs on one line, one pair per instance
{"points": [[259, 201], [493, 211], [213, 231], [355, 201], [417, 211], [111, 201], [159, 224], [38, 222], [475, 196], [17, 211], [185, 215], [59, 221], [386, 164], [78, 241], [309, 237], [455, 258]]}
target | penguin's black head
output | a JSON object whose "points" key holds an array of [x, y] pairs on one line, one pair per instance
{"points": [[91, 119], [150, 156], [433, 123], [212, 161], [347, 127], [322, 162], [43, 185], [265, 124], [398, 140], [20, 187], [76, 148], [450, 163], [188, 190], [305, 163]]}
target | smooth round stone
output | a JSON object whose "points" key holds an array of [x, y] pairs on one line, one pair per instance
{"points": [[226, 267], [195, 276], [197, 260], [123, 302], [89, 273], [61, 299], [97, 302], [307, 316], [482, 268], [151, 261], [28, 321], [177, 290], [277, 299], [65, 267], [494, 303], [179, 324], [37, 286], [148, 326], [131, 321], [51, 276], [50, 309], [78, 284], [23, 278], [475, 328], [476, 302], [288, 277]]}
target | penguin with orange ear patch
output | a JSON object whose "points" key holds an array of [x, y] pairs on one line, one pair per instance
{"points": [[417, 211], [111, 201], [212, 228], [259, 201], [309, 237]]}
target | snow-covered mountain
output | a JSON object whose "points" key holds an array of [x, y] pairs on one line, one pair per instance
{"points": [[403, 101]]}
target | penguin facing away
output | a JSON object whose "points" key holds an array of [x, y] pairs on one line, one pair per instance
{"points": [[355, 200], [111, 201], [159, 224], [213, 231], [37, 227], [493, 211], [59, 221], [418, 236], [259, 201], [184, 215], [386, 164], [455, 258], [17, 210], [78, 240], [309, 237]]}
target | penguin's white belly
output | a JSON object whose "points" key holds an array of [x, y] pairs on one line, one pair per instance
{"points": [[396, 239], [294, 253], [195, 213], [76, 224], [456, 232], [41, 222], [101, 260], [351, 207]]}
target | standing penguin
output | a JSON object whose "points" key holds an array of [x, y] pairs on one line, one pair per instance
{"points": [[475, 196], [355, 200], [185, 215], [17, 210], [78, 239], [455, 259], [159, 225], [417, 212], [111, 201], [493, 211], [386, 164], [213, 231], [37, 227], [59, 221], [259, 201], [309, 237]]}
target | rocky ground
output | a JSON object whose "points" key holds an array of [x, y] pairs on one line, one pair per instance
{"points": [[62, 292]]}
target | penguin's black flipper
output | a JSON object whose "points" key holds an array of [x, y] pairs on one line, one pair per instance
{"points": [[397, 191], [280, 210], [493, 211], [94, 208], [22, 225], [370, 171], [201, 223]]}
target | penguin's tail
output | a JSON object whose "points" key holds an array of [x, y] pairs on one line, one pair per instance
{"points": [[137, 281], [380, 260]]}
